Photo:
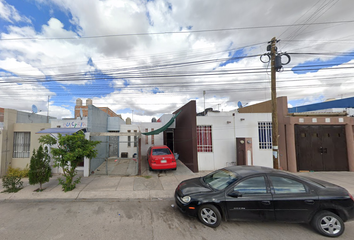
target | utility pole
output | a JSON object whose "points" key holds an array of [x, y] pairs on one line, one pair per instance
{"points": [[275, 58], [274, 105]]}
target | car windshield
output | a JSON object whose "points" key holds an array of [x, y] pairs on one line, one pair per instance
{"points": [[220, 179], [161, 151]]}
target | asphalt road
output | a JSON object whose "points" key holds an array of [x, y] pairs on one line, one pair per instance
{"points": [[132, 220]]}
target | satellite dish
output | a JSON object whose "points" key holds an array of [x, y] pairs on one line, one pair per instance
{"points": [[239, 104], [81, 113], [34, 109]]}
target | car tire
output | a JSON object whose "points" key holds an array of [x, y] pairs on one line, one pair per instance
{"points": [[328, 224], [209, 215]]}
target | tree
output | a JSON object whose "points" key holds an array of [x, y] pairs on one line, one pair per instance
{"points": [[40, 170], [69, 153]]}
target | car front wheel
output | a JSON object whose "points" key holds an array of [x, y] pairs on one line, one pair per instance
{"points": [[328, 224], [209, 215]]}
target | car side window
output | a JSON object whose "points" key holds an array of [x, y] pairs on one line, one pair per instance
{"points": [[254, 185], [287, 185]]}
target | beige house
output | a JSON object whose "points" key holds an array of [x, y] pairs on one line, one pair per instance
{"points": [[18, 137]]}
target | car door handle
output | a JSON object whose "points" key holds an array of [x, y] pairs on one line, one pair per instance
{"points": [[266, 202], [310, 202]]}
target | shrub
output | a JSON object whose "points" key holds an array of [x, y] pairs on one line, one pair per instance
{"points": [[40, 170], [12, 183], [17, 172]]}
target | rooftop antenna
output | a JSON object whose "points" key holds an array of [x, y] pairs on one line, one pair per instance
{"points": [[34, 109], [239, 104]]}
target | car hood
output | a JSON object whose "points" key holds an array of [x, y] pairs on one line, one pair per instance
{"points": [[194, 185]]}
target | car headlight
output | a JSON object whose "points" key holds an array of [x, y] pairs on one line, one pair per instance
{"points": [[186, 199]]}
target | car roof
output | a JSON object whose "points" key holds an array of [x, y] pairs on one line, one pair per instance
{"points": [[244, 171], [161, 146]]}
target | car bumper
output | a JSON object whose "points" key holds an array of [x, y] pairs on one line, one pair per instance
{"points": [[163, 166], [188, 208]]}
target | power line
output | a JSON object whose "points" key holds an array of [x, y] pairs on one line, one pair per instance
{"points": [[174, 32]]}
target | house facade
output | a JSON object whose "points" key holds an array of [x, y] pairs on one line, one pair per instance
{"points": [[18, 137]]}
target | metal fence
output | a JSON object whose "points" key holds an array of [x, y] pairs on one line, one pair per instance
{"points": [[111, 160]]}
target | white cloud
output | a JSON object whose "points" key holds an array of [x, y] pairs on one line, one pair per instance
{"points": [[10, 14], [140, 59]]}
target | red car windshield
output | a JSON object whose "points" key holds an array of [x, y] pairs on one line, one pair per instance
{"points": [[161, 151]]}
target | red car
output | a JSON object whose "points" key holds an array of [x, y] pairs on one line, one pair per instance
{"points": [[161, 158]]}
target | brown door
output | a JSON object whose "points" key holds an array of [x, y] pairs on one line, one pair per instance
{"points": [[334, 149], [321, 148], [241, 151]]}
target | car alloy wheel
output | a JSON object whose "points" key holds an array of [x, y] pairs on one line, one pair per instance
{"points": [[328, 224], [209, 215]]}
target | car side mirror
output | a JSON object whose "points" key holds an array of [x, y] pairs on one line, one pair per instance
{"points": [[235, 194]]}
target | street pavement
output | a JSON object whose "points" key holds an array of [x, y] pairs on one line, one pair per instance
{"points": [[149, 186]]}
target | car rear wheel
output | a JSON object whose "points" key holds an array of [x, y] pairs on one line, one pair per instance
{"points": [[328, 224], [209, 215]]}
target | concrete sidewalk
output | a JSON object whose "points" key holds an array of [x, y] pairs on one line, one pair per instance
{"points": [[149, 186]]}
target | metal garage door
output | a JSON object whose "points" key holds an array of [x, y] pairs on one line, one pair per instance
{"points": [[321, 148]]}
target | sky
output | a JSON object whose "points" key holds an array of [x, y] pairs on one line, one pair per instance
{"points": [[145, 58]]}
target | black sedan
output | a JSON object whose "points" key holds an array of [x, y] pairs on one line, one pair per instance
{"points": [[259, 193]]}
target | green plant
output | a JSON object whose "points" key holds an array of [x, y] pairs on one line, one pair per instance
{"points": [[39, 171], [18, 172], [69, 152], [12, 183]]}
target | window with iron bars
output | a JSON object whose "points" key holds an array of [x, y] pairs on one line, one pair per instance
{"points": [[22, 143], [204, 139], [265, 135]]}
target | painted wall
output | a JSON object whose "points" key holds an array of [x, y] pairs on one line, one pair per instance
{"points": [[24, 117], [246, 125], [114, 123], [69, 123], [223, 139], [32, 128], [97, 121], [21, 122], [185, 135], [226, 127], [141, 127]]}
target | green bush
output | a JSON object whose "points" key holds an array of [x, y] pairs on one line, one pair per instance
{"points": [[40, 170], [12, 183]]}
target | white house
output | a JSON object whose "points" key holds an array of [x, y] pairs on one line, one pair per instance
{"points": [[224, 129]]}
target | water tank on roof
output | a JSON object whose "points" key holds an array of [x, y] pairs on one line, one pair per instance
{"points": [[88, 101], [153, 120], [78, 102], [128, 121]]}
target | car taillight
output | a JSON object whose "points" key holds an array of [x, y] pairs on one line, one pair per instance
{"points": [[351, 196]]}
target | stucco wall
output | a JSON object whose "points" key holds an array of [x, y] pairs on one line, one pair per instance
{"points": [[32, 128], [246, 125], [141, 127], [223, 139], [24, 117], [10, 117], [226, 127], [114, 123], [97, 121]]}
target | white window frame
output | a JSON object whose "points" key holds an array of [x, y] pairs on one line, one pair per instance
{"points": [[265, 135]]}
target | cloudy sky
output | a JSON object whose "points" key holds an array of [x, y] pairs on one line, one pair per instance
{"points": [[150, 57]]}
